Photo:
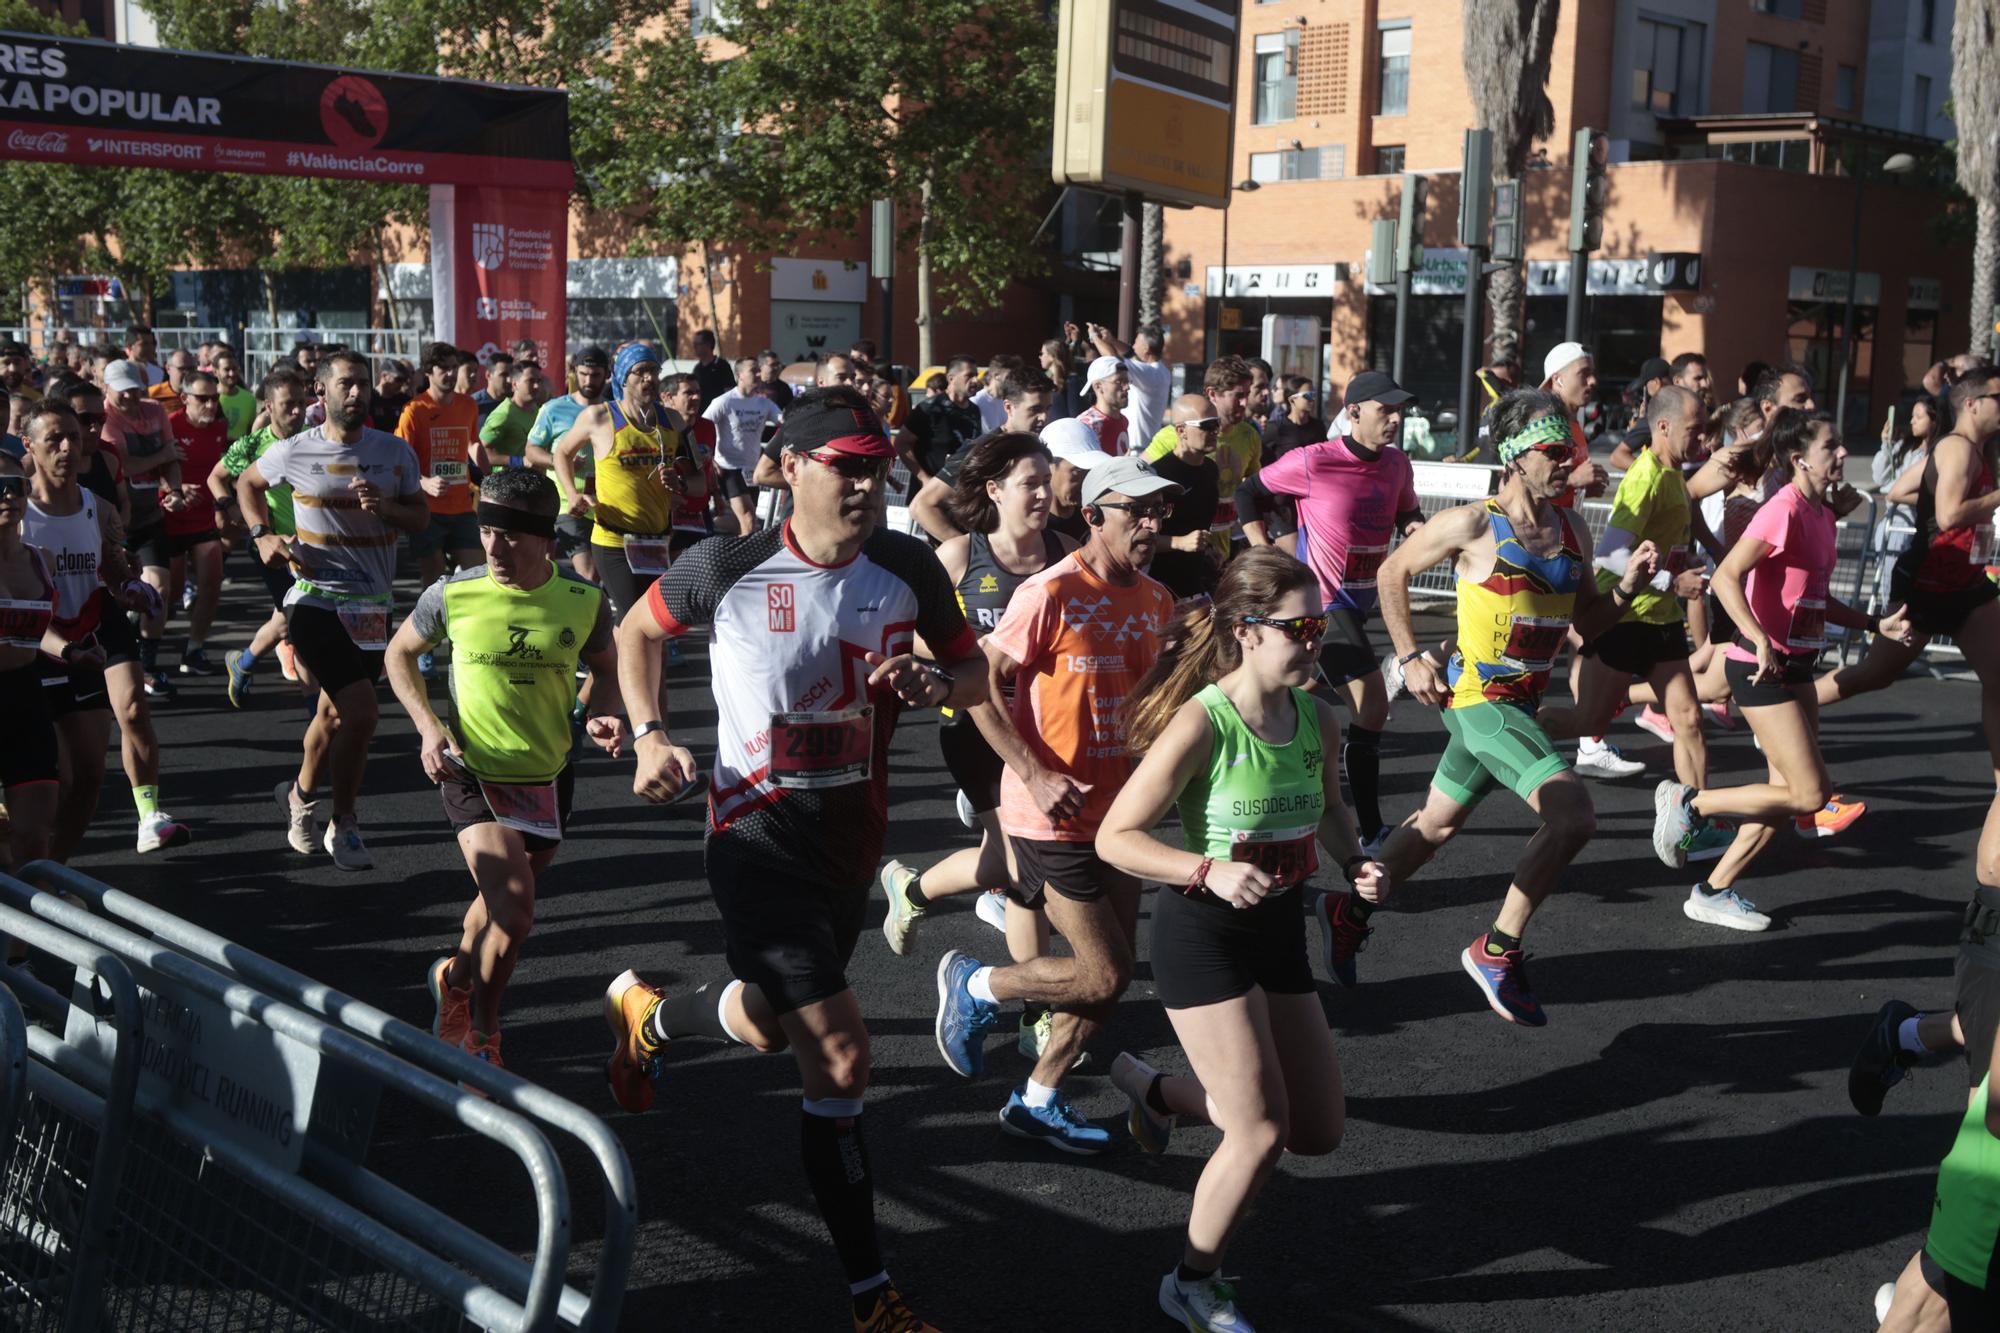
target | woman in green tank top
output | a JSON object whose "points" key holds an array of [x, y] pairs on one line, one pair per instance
{"points": [[1230, 735]]}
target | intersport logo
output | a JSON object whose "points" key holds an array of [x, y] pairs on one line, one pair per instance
{"points": [[47, 141]]}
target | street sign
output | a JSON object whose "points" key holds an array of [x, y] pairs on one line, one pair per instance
{"points": [[1145, 98]]}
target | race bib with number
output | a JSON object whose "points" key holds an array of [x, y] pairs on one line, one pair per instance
{"points": [[813, 751], [1533, 641], [1225, 516], [530, 807], [449, 470], [1287, 855], [646, 555], [1808, 631], [1362, 565], [366, 623]]}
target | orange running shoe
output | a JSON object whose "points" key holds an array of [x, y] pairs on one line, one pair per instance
{"points": [[483, 1046], [629, 1002], [288, 660], [452, 1015], [1838, 813], [891, 1315]]}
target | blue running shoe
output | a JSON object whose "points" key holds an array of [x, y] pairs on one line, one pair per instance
{"points": [[1504, 980], [239, 679], [1055, 1124], [962, 1022]]}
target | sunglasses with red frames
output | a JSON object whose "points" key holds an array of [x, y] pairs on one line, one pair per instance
{"points": [[1299, 629], [853, 467]]}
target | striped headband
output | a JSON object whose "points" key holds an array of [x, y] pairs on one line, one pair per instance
{"points": [[1546, 431]]}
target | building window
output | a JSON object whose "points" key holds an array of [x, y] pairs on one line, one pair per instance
{"points": [[1395, 72], [1770, 79], [701, 17], [1666, 66], [1784, 9], [1920, 104], [1926, 20], [1843, 87], [1325, 163], [1389, 159], [1277, 77]]}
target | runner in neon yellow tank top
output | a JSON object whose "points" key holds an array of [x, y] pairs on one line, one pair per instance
{"points": [[518, 624], [1522, 580], [1231, 736]]}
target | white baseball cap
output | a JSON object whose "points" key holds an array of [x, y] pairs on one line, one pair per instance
{"points": [[1102, 369], [1074, 443], [122, 375], [1560, 358], [1128, 476]]}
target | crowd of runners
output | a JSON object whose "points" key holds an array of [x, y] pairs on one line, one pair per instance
{"points": [[1133, 610]]}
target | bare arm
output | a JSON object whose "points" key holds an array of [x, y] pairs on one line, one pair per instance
{"points": [[1909, 487], [927, 508], [400, 663], [1125, 838], [664, 769], [1957, 476], [768, 474], [582, 432]]}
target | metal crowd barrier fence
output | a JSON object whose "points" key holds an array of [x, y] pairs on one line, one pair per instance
{"points": [[1881, 559], [265, 345], [235, 1214]]}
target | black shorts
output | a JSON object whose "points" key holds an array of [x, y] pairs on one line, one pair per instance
{"points": [[465, 806], [681, 538], [1796, 669], [1969, 1307], [734, 482], [147, 544], [572, 535], [1347, 652], [1721, 629], [1205, 951], [786, 933], [73, 689], [28, 742], [1072, 869], [1941, 612], [323, 644], [277, 582], [972, 763], [1635, 647], [116, 636], [622, 588], [174, 545]]}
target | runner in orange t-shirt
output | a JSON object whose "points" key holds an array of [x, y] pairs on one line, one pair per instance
{"points": [[1075, 640], [440, 425]]}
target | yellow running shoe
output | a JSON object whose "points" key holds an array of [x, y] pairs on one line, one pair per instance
{"points": [[891, 1315], [629, 1003]]}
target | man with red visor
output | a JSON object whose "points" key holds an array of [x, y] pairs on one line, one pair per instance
{"points": [[811, 655]]}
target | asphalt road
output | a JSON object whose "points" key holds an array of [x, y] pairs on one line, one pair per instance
{"points": [[1674, 1151]]}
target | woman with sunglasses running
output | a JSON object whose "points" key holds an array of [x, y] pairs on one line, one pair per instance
{"points": [[1231, 736], [1773, 584], [29, 754]]}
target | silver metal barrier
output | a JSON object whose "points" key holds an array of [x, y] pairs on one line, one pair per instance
{"points": [[342, 1247]]}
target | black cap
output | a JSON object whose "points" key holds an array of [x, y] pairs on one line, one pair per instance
{"points": [[838, 419], [11, 347], [1656, 368], [1373, 386], [595, 356]]}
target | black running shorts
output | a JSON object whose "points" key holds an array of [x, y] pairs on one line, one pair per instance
{"points": [[323, 644], [1635, 647], [782, 931], [465, 806], [973, 764], [1071, 869], [28, 742], [1347, 653], [1205, 951]]}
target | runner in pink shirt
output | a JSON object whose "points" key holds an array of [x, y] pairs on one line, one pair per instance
{"points": [[1354, 494], [1774, 585]]}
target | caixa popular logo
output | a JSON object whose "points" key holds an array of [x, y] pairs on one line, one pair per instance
{"points": [[31, 141], [489, 244], [486, 307]]}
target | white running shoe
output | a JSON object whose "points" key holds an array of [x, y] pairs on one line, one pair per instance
{"points": [[1208, 1306], [1602, 759], [1392, 677], [965, 812], [1885, 1296], [1134, 1077], [157, 830], [992, 909], [1724, 909], [299, 819], [343, 842], [900, 920]]}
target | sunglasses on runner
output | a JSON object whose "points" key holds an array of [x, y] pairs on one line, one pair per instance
{"points": [[14, 486], [1206, 423], [1159, 511], [1561, 451], [201, 397], [1299, 629], [853, 467]]}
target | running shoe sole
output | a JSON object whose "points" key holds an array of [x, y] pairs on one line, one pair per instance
{"points": [[897, 909], [177, 838], [1465, 960], [1053, 1140], [357, 862], [1752, 921], [1667, 848], [943, 1009], [621, 1038], [283, 791], [1661, 730], [434, 982], [1867, 1083]]}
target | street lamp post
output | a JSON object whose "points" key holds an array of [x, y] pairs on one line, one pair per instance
{"points": [[1895, 165], [1247, 187]]}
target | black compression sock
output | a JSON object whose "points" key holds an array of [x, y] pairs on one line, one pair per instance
{"points": [[1499, 941], [149, 655], [836, 1164], [1362, 758], [1706, 891], [914, 892], [1190, 1276], [1153, 1097]]}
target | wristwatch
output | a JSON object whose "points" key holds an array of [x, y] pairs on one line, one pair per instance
{"points": [[259, 530], [645, 729]]}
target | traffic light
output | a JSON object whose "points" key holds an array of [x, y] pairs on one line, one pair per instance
{"points": [[1473, 196], [1507, 222], [1382, 250], [1410, 225], [1588, 189]]}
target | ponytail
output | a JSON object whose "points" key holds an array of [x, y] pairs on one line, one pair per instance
{"points": [[1188, 660]]}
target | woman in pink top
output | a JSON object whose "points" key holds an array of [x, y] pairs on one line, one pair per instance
{"points": [[1774, 585]]}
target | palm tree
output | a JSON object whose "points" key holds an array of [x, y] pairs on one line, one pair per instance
{"points": [[1506, 57], [1975, 99], [1152, 264]]}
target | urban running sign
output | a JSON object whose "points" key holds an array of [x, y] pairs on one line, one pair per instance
{"points": [[93, 103]]}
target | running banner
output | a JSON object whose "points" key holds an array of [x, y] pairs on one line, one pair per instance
{"points": [[94, 103], [500, 267]]}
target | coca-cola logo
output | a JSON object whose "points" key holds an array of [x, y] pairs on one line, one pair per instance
{"points": [[48, 141]]}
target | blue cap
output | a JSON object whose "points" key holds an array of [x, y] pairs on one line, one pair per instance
{"points": [[630, 357]]}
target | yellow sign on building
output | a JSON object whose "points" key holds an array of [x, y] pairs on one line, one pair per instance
{"points": [[1145, 93]]}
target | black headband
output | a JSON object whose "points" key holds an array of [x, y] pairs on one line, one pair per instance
{"points": [[506, 518]]}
